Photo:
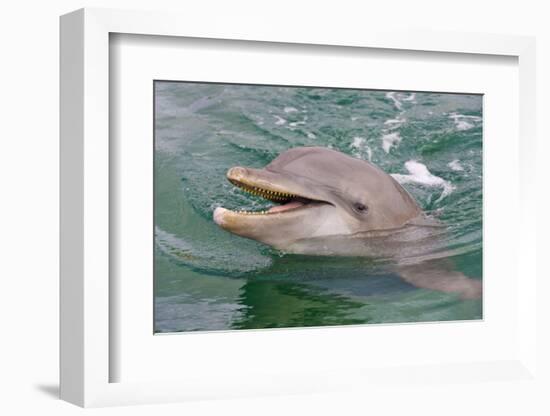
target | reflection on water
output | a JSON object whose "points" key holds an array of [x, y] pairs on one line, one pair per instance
{"points": [[283, 304], [208, 279]]}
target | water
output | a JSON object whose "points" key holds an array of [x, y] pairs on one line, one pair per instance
{"points": [[208, 279]]}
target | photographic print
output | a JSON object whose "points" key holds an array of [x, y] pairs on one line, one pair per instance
{"points": [[288, 206]]}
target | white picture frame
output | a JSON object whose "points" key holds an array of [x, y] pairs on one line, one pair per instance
{"points": [[86, 303]]}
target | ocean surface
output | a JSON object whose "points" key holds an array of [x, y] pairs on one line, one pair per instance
{"points": [[207, 279]]}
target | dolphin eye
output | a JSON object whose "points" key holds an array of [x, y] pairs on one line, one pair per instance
{"points": [[360, 207]]}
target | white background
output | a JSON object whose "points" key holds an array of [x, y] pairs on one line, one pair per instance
{"points": [[29, 209]]}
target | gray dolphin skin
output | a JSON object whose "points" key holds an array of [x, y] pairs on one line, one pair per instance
{"points": [[329, 203], [321, 193]]}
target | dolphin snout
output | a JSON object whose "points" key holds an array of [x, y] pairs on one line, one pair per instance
{"points": [[237, 173]]}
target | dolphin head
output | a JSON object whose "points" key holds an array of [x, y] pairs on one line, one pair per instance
{"points": [[318, 193]]}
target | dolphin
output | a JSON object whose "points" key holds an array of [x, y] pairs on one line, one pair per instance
{"points": [[330, 203], [321, 193]]}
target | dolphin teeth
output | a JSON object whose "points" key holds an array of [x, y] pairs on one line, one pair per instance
{"points": [[264, 193]]}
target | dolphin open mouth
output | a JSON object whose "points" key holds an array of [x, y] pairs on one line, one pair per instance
{"points": [[286, 200]]}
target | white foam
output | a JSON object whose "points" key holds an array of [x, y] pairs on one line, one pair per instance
{"points": [[357, 142], [463, 125], [369, 153], [461, 122], [359, 146], [297, 123], [389, 140], [475, 118], [419, 173], [393, 121], [280, 121], [455, 165], [290, 110], [310, 135], [258, 119], [410, 97], [396, 102]]}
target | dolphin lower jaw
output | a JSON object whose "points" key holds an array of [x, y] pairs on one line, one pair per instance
{"points": [[278, 230], [232, 220]]}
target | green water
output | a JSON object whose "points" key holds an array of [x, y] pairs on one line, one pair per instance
{"points": [[208, 279]]}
